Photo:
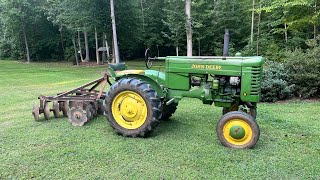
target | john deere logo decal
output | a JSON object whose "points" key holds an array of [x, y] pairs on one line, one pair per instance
{"points": [[203, 66]]}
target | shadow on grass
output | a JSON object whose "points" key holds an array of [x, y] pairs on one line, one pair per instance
{"points": [[170, 126]]}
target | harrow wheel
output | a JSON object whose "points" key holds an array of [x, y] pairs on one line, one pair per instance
{"points": [[56, 109], [36, 112], [132, 108], [238, 130], [77, 116], [46, 110]]}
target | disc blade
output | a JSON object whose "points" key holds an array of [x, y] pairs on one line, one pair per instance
{"points": [[36, 112], [77, 116], [46, 110], [56, 109]]}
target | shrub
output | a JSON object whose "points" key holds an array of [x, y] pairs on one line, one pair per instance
{"points": [[274, 84], [304, 71]]}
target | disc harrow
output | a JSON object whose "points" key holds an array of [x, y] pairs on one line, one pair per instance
{"points": [[80, 105]]}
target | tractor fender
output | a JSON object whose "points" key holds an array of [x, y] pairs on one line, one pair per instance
{"points": [[149, 77]]}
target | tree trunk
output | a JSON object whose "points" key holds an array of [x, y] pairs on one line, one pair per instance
{"points": [[107, 47], [87, 46], [114, 30], [97, 45], [142, 12], [252, 22], [75, 50], [315, 26], [80, 48], [315, 32], [62, 44], [26, 45], [258, 34], [177, 50], [199, 47], [189, 28], [286, 32], [113, 54]]}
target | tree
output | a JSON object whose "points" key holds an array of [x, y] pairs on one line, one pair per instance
{"points": [[252, 22], [152, 20], [174, 20], [188, 28], [114, 30], [17, 17]]}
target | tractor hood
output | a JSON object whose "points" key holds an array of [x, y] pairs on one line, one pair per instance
{"points": [[229, 66]]}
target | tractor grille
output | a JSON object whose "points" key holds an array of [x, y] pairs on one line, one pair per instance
{"points": [[256, 80]]}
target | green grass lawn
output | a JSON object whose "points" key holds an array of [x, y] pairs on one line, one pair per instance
{"points": [[186, 147]]}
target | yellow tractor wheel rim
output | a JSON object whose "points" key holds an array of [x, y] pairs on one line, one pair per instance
{"points": [[238, 124], [129, 110]]}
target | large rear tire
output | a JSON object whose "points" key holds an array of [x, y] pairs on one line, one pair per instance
{"points": [[132, 108], [168, 111], [238, 130]]}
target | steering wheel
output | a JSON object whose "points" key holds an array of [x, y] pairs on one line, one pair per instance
{"points": [[148, 59]]}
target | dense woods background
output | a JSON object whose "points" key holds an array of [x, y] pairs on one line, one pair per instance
{"points": [[284, 31]]}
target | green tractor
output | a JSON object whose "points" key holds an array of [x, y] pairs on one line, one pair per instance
{"points": [[139, 99]]}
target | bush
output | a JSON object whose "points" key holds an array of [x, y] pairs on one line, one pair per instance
{"points": [[268, 48], [304, 71], [274, 86]]}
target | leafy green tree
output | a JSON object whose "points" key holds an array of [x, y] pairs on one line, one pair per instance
{"points": [[17, 17], [174, 20], [153, 25]]}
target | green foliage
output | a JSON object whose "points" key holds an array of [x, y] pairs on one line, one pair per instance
{"points": [[274, 84], [279, 26], [175, 23], [304, 71], [211, 18]]}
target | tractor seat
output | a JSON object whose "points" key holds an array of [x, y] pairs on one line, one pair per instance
{"points": [[118, 66]]}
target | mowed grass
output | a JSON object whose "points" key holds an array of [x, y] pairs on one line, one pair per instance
{"points": [[186, 147]]}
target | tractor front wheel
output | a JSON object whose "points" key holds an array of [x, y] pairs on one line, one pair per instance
{"points": [[132, 108], [238, 130]]}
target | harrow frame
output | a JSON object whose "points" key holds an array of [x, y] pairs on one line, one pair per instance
{"points": [[79, 97]]}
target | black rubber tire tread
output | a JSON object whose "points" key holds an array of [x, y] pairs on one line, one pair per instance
{"points": [[168, 110], [243, 116], [253, 112], [151, 99]]}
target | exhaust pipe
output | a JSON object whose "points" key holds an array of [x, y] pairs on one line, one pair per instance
{"points": [[226, 43]]}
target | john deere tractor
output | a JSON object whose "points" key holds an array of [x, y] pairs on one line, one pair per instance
{"points": [[139, 99]]}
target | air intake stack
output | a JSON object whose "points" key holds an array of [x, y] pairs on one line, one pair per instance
{"points": [[226, 43]]}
